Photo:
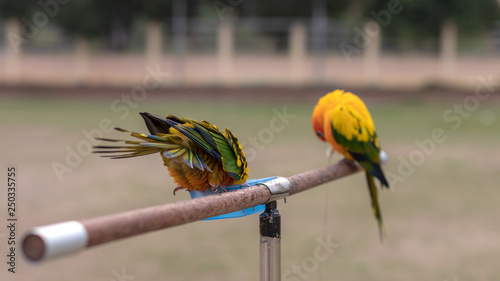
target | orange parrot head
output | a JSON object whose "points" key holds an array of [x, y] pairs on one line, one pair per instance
{"points": [[325, 103]]}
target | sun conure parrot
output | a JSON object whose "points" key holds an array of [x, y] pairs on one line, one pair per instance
{"points": [[342, 119], [197, 155]]}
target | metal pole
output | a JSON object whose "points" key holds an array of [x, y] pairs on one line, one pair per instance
{"points": [[270, 243]]}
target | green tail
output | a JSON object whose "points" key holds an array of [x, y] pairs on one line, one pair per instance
{"points": [[375, 206]]}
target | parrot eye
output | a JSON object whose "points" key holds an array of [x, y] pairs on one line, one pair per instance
{"points": [[319, 134]]}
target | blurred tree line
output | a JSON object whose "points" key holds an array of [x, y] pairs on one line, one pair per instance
{"points": [[415, 21]]}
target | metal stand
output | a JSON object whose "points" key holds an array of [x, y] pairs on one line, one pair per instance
{"points": [[270, 243]]}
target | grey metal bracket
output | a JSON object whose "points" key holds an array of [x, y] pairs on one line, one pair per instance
{"points": [[278, 187]]}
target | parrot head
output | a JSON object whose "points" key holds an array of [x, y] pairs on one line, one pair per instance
{"points": [[317, 123], [327, 102]]}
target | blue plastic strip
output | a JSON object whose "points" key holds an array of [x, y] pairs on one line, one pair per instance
{"points": [[237, 214]]}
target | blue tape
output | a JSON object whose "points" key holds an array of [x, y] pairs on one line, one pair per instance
{"points": [[237, 214]]}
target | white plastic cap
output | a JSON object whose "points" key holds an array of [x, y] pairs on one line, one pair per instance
{"points": [[45, 242]]}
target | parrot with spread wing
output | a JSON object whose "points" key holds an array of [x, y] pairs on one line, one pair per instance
{"points": [[197, 155], [342, 119]]}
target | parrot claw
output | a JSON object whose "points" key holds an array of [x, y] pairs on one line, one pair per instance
{"points": [[178, 188], [215, 189]]}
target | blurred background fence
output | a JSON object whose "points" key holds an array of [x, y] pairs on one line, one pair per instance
{"points": [[213, 46]]}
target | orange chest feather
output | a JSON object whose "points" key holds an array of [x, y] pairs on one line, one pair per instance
{"points": [[195, 179]]}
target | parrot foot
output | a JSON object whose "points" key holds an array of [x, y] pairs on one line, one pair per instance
{"points": [[215, 189], [178, 188]]}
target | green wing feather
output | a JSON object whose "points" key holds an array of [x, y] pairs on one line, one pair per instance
{"points": [[224, 147], [353, 132], [227, 146], [193, 134], [215, 143], [359, 138], [236, 163]]}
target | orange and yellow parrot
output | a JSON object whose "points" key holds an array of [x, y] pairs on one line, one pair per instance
{"points": [[197, 155], [342, 119]]}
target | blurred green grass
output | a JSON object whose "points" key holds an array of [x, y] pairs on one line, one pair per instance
{"points": [[441, 221]]}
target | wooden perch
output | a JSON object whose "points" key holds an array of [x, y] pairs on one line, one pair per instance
{"points": [[45, 242]]}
